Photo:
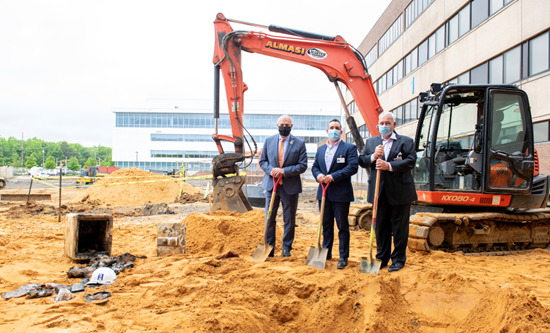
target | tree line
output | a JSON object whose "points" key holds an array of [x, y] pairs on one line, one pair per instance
{"points": [[38, 152]]}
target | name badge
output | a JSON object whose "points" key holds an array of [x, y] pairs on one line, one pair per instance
{"points": [[341, 160]]}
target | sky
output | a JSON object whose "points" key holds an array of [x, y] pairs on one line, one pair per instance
{"points": [[65, 64]]}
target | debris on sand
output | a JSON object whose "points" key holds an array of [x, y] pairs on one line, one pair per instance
{"points": [[117, 264]]}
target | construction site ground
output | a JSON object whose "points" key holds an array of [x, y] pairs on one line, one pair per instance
{"points": [[195, 292]]}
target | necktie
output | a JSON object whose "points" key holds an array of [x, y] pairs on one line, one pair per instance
{"points": [[281, 152], [281, 155]]}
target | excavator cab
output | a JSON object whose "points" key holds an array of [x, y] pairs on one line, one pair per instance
{"points": [[477, 140]]}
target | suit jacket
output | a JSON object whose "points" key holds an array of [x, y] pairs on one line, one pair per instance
{"points": [[398, 184], [341, 189], [294, 163]]}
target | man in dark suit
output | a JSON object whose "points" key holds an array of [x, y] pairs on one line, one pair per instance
{"points": [[335, 163], [283, 155], [395, 156]]}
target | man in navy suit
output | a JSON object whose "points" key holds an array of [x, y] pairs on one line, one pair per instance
{"points": [[395, 156], [283, 155], [335, 163]]}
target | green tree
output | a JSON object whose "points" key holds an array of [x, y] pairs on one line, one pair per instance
{"points": [[50, 163], [30, 162], [15, 160], [107, 163], [90, 162], [73, 164]]}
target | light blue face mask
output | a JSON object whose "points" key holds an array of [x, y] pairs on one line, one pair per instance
{"points": [[384, 130], [334, 134]]}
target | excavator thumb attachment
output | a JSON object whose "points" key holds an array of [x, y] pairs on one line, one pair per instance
{"points": [[228, 195]]}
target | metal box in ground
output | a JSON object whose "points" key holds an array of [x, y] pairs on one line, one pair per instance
{"points": [[170, 238], [87, 235], [256, 195]]}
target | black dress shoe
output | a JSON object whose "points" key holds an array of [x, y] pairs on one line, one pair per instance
{"points": [[384, 264], [271, 254], [395, 267], [342, 263], [329, 256], [286, 253]]}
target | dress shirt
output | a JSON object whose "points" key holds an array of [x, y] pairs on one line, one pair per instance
{"points": [[329, 153], [387, 147]]}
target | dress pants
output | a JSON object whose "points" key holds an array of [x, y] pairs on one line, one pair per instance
{"points": [[392, 220], [290, 206], [338, 211]]}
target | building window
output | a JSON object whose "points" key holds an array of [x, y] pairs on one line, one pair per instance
{"points": [[399, 68], [495, 70], [478, 75], [440, 39], [414, 9], [512, 65], [453, 30], [371, 57], [398, 112], [464, 78], [541, 131], [464, 20], [423, 53], [431, 46], [391, 35], [538, 54], [480, 12]]}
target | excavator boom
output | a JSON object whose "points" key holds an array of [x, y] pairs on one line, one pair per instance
{"points": [[335, 57]]}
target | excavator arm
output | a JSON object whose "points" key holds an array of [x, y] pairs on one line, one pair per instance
{"points": [[335, 57]]}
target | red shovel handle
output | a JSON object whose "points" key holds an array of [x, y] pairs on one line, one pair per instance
{"points": [[276, 183], [325, 188]]}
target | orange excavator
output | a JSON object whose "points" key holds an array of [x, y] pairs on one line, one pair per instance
{"points": [[476, 174]]}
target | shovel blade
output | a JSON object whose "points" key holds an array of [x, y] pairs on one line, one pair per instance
{"points": [[370, 265], [262, 252], [317, 257]]}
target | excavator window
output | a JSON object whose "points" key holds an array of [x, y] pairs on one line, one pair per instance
{"points": [[508, 125], [508, 138], [461, 115], [422, 151]]}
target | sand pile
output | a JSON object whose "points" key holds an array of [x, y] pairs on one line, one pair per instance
{"points": [[195, 292], [136, 194], [217, 232]]}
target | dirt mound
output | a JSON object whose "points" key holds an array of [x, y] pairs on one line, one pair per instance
{"points": [[33, 208], [191, 198], [509, 310], [217, 232], [152, 188]]}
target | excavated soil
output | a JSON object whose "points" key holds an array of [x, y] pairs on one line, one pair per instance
{"points": [[152, 188], [195, 292]]}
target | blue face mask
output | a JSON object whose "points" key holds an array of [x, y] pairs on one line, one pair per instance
{"points": [[334, 134], [384, 130]]}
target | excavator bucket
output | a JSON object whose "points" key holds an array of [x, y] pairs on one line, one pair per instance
{"points": [[228, 195]]}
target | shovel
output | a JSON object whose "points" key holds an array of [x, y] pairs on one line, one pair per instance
{"points": [[317, 256], [263, 250], [371, 265]]}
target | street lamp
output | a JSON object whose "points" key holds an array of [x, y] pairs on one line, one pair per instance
{"points": [[43, 162]]}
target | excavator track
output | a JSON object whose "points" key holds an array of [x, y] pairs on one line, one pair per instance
{"points": [[479, 233]]}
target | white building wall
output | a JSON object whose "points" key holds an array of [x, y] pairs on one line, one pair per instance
{"points": [[512, 25]]}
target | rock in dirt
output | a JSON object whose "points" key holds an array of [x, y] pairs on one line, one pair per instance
{"points": [[156, 209], [228, 254]]}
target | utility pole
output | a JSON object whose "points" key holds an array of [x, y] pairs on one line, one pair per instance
{"points": [[22, 155], [43, 161]]}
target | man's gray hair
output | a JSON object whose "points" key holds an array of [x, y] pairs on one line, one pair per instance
{"points": [[386, 113]]}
